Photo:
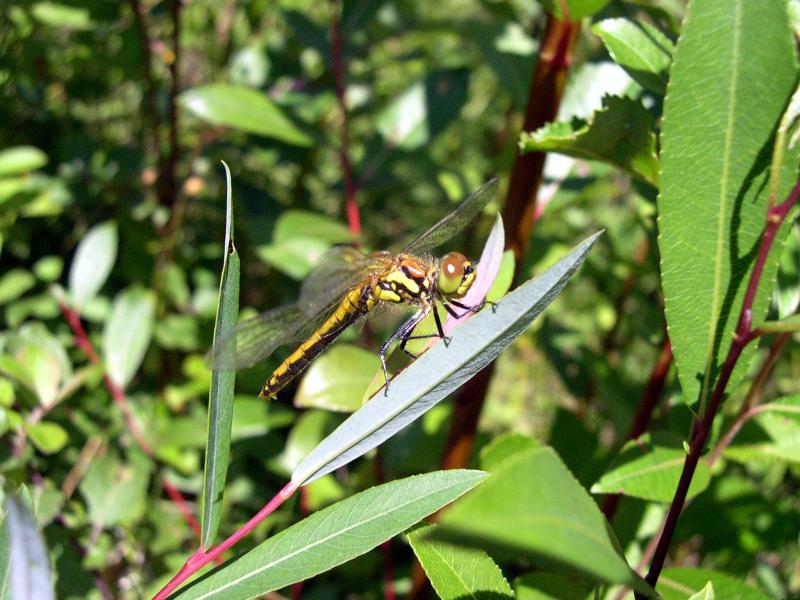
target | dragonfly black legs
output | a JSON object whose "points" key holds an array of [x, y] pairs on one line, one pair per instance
{"points": [[467, 309], [403, 332]]}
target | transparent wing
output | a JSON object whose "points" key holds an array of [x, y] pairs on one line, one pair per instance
{"points": [[454, 222], [255, 339], [341, 269]]}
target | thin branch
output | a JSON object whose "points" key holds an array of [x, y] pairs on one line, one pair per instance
{"points": [[743, 335], [118, 395], [202, 557], [749, 406], [544, 98], [350, 186], [167, 179], [150, 92]]}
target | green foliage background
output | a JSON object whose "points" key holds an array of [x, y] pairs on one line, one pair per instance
{"points": [[112, 204]]}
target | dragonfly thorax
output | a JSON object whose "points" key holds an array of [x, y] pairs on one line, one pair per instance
{"points": [[409, 280]]}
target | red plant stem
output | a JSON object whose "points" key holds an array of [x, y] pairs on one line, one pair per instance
{"points": [[202, 557], [118, 395], [652, 392], [742, 336], [183, 506], [647, 403], [350, 188]]}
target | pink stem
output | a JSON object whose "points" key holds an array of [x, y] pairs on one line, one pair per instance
{"points": [[201, 557], [350, 188]]}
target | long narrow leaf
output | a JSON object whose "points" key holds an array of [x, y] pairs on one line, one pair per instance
{"points": [[441, 370], [30, 575], [220, 399], [334, 535]]}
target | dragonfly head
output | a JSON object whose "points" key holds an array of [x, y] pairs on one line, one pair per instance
{"points": [[456, 274]]}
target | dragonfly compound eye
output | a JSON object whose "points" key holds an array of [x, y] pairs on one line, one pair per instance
{"points": [[456, 274]]}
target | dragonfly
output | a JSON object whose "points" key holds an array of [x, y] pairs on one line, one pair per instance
{"points": [[347, 285]]}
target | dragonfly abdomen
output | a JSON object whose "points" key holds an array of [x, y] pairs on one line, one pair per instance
{"points": [[352, 307]]}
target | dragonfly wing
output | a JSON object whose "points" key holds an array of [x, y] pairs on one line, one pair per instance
{"points": [[453, 223], [255, 339], [341, 269]]}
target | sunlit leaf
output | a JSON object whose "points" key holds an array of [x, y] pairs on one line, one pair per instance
{"points": [[127, 333], [639, 48], [681, 583], [720, 116], [243, 108], [441, 370], [456, 572], [621, 133], [334, 535], [92, 264], [338, 379], [220, 399], [26, 569], [521, 512], [650, 469], [21, 159]]}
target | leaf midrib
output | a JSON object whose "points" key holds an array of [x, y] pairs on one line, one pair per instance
{"points": [[325, 539], [714, 320]]}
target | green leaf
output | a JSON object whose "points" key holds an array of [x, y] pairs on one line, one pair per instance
{"points": [[456, 572], [308, 430], [42, 362], [21, 159], [576, 9], [639, 48], [62, 15], [649, 468], [707, 593], [300, 238], [548, 586], [127, 333], [294, 257], [27, 565], [305, 224], [505, 277], [115, 492], [620, 133], [14, 283], [503, 448], [94, 259], [338, 379], [533, 508], [681, 583], [220, 399], [773, 434], [720, 116], [49, 438], [243, 108], [334, 535], [441, 370], [48, 268]]}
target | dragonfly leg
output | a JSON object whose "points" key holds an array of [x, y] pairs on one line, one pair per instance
{"points": [[439, 333], [402, 333], [468, 309]]}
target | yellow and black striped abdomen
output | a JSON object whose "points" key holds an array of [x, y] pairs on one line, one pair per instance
{"points": [[353, 306]]}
